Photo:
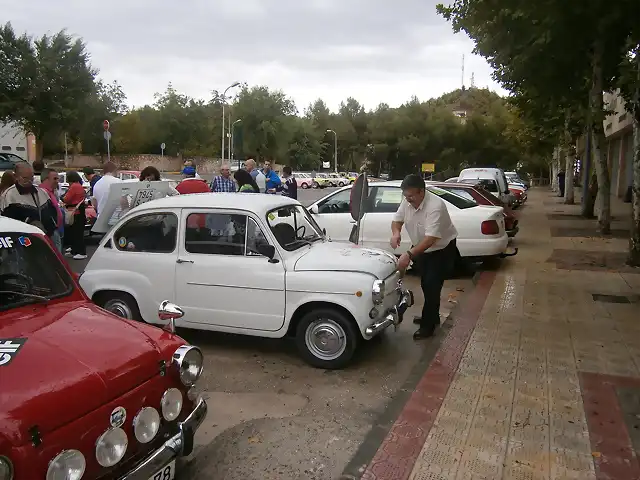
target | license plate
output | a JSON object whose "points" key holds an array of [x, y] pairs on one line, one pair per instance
{"points": [[168, 472], [142, 196]]}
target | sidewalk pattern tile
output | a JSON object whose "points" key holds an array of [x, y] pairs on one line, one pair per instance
{"points": [[526, 386]]}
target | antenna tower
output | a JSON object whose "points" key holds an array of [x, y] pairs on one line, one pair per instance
{"points": [[463, 71], [473, 80]]}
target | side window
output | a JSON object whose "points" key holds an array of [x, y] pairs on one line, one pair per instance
{"points": [[386, 200], [338, 203], [215, 234], [255, 237], [155, 233]]}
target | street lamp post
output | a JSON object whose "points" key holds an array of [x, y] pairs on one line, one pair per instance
{"points": [[224, 99], [335, 150], [232, 145]]}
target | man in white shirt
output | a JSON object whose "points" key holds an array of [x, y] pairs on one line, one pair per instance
{"points": [[426, 219], [251, 167], [101, 188]]}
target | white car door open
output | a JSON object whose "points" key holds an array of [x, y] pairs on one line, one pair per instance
{"points": [[221, 280], [376, 225], [334, 215]]}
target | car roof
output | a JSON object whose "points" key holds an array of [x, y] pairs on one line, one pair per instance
{"points": [[11, 225], [256, 202]]}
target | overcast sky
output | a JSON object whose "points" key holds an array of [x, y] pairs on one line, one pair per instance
{"points": [[373, 50]]}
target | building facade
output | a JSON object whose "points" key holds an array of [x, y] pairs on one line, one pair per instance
{"points": [[15, 140], [618, 129]]}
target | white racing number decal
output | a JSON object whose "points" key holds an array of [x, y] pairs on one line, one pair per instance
{"points": [[9, 348], [6, 242], [143, 196]]}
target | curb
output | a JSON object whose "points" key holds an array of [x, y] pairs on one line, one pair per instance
{"points": [[381, 428]]}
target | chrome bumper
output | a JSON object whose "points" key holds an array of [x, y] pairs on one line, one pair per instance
{"points": [[180, 445], [394, 315]]}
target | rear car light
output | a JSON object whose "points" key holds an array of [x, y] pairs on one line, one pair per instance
{"points": [[490, 227]]}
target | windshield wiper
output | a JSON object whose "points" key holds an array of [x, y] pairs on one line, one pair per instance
{"points": [[40, 298]]}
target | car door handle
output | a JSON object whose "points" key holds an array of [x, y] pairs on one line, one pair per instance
{"points": [[180, 260]]}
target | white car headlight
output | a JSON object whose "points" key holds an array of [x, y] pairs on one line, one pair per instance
{"points": [[171, 404], [188, 361], [6, 469], [146, 424], [111, 447], [377, 291], [67, 465]]}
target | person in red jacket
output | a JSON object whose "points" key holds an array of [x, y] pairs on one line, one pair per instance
{"points": [[192, 184]]}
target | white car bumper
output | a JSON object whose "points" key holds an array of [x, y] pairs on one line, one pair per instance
{"points": [[483, 247]]}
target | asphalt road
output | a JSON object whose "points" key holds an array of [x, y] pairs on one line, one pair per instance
{"points": [[271, 416]]}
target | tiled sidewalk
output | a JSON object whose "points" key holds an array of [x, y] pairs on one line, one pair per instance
{"points": [[536, 379]]}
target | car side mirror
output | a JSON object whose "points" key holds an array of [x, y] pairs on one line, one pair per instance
{"points": [[170, 312], [324, 232], [267, 250], [314, 209]]}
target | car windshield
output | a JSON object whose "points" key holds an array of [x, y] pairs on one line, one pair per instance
{"points": [[293, 227], [30, 271], [453, 199]]}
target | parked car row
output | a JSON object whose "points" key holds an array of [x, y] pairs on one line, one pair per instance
{"points": [[322, 180]]}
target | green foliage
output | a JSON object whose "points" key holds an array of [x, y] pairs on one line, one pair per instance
{"points": [[45, 82]]}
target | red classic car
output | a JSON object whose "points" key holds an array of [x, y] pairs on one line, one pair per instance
{"points": [[85, 394], [481, 196]]}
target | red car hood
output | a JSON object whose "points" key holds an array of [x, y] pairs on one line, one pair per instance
{"points": [[75, 358]]}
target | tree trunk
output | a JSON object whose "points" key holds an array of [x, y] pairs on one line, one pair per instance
{"points": [[554, 171], [569, 161], [588, 201], [599, 141], [634, 240], [39, 148]]}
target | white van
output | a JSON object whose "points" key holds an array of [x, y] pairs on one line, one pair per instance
{"points": [[494, 180]]}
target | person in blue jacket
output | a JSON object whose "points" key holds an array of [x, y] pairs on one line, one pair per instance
{"points": [[273, 180]]}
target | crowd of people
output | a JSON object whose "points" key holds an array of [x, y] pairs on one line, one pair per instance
{"points": [[31, 193]]}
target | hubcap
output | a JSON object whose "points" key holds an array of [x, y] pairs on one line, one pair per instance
{"points": [[119, 307], [326, 339]]}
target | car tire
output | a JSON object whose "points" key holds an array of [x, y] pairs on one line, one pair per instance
{"points": [[305, 186], [120, 304], [340, 332], [314, 185], [341, 184]]}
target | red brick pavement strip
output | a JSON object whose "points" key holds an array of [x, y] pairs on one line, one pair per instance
{"points": [[399, 451], [614, 457]]}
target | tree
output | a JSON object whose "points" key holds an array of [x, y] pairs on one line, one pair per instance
{"points": [[630, 90], [45, 82], [558, 50]]}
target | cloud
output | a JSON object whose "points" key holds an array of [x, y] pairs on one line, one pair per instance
{"points": [[375, 51]]}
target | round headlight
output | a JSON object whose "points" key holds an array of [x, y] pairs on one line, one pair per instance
{"points": [[6, 469], [146, 424], [171, 404], [377, 291], [189, 361], [111, 447], [67, 465]]}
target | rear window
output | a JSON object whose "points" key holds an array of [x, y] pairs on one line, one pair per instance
{"points": [[453, 199], [30, 271]]}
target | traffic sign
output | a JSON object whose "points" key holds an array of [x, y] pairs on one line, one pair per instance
{"points": [[107, 135], [163, 146], [428, 167], [105, 125]]}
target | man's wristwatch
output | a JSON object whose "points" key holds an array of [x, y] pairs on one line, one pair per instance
{"points": [[410, 254]]}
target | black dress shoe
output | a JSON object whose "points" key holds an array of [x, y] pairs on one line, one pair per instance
{"points": [[423, 333]]}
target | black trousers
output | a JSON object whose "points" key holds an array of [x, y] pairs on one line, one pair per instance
{"points": [[436, 267], [75, 233]]}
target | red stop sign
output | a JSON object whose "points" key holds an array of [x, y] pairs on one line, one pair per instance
{"points": [[105, 124]]}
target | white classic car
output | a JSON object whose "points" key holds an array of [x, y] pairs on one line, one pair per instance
{"points": [[481, 232], [249, 264]]}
